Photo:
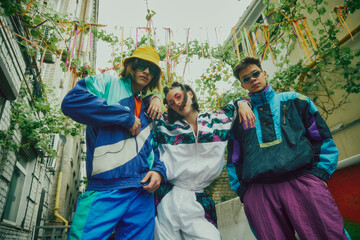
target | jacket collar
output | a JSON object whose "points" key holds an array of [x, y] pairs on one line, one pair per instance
{"points": [[262, 97]]}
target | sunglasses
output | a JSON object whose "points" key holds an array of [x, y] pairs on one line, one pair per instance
{"points": [[142, 65], [254, 74]]}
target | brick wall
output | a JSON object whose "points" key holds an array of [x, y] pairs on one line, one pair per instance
{"points": [[34, 171], [9, 60], [10, 233], [220, 189]]}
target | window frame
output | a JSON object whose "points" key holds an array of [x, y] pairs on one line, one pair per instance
{"points": [[23, 171], [26, 166]]}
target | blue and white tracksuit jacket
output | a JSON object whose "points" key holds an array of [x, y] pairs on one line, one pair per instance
{"points": [[290, 139], [115, 159], [192, 162]]}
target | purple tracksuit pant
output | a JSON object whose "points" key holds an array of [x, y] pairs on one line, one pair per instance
{"points": [[304, 205]]}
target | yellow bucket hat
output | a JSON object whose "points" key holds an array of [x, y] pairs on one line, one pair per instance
{"points": [[146, 53]]}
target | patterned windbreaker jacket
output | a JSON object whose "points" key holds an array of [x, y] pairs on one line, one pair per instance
{"points": [[114, 158], [193, 162], [290, 139]]}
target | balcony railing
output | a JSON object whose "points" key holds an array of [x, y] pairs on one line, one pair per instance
{"points": [[50, 232]]}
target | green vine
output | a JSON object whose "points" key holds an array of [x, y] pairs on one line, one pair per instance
{"points": [[37, 124], [335, 76], [335, 71]]}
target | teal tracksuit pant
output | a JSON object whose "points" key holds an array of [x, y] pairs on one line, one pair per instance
{"points": [[128, 212]]}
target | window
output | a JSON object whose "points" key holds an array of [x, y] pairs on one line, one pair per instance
{"points": [[2, 106], [19, 189], [240, 48], [269, 19], [260, 20], [70, 207], [15, 192]]}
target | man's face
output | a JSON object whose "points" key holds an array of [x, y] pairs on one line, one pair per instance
{"points": [[144, 73], [253, 79]]}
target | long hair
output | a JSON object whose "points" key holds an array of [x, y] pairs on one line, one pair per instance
{"points": [[172, 115], [129, 72]]}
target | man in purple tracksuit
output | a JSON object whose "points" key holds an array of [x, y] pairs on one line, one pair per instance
{"points": [[280, 168]]}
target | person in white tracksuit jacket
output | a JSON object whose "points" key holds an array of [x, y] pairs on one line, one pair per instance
{"points": [[192, 147]]}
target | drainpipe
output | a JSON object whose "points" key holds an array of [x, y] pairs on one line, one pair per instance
{"points": [[56, 209]]}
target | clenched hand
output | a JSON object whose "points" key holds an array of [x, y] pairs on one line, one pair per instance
{"points": [[135, 129], [155, 180]]}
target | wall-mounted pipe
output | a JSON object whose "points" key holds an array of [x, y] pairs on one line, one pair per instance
{"points": [[58, 189]]}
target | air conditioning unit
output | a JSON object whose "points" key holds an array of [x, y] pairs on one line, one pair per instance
{"points": [[49, 58], [54, 142], [51, 164]]}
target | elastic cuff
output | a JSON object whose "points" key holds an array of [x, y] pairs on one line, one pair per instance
{"points": [[131, 121], [320, 173]]}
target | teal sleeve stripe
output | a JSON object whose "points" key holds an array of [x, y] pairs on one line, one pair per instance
{"points": [[234, 181], [151, 159], [313, 108], [82, 212], [97, 84], [328, 156], [109, 87]]}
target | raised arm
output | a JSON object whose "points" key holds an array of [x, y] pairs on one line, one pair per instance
{"points": [[154, 106], [86, 104], [246, 114], [242, 107]]}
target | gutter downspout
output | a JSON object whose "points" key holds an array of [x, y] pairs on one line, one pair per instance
{"points": [[58, 189]]}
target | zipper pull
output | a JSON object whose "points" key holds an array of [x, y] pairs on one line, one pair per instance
{"points": [[284, 109]]}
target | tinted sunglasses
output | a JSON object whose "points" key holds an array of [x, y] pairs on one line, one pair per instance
{"points": [[142, 65], [254, 74]]}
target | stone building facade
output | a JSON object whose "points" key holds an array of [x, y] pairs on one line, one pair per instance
{"points": [[28, 179], [24, 181]]}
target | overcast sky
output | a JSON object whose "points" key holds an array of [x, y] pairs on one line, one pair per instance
{"points": [[208, 20]]}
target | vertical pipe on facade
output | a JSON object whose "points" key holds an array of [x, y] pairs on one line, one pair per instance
{"points": [[58, 189]]}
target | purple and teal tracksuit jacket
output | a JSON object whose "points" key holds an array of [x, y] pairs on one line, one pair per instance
{"points": [[290, 139], [115, 159]]}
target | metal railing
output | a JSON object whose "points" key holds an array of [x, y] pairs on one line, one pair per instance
{"points": [[50, 232]]}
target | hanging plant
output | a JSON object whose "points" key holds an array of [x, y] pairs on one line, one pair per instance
{"points": [[336, 70], [37, 124]]}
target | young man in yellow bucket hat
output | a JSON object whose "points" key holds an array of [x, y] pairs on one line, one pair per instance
{"points": [[123, 167]]}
